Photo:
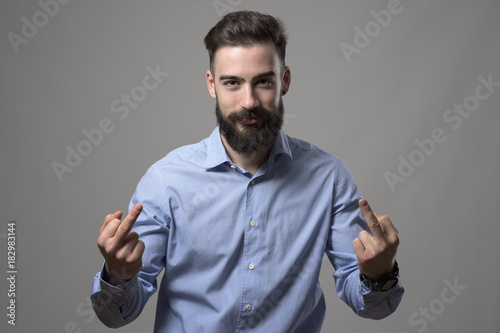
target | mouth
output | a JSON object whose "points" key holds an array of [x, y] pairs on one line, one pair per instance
{"points": [[249, 121]]}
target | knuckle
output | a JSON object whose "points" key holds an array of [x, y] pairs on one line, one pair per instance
{"points": [[115, 221], [111, 224], [131, 259], [111, 247], [101, 242], [395, 240], [392, 239], [141, 246], [384, 248], [369, 255], [384, 217], [133, 236], [121, 256]]}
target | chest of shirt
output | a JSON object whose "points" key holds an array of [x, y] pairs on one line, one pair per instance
{"points": [[215, 214]]}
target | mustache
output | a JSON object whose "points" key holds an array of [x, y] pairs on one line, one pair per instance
{"points": [[257, 113]]}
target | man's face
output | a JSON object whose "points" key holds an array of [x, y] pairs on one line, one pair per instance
{"points": [[247, 83]]}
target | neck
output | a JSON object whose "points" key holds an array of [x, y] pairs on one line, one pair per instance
{"points": [[250, 162]]}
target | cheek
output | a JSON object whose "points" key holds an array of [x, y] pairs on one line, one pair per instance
{"points": [[229, 101], [227, 105], [270, 99]]}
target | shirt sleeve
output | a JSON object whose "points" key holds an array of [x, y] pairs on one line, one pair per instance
{"points": [[347, 221], [119, 305]]}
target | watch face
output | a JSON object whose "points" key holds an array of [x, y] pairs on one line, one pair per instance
{"points": [[385, 283], [388, 285]]}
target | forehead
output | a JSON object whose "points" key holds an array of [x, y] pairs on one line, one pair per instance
{"points": [[246, 61]]}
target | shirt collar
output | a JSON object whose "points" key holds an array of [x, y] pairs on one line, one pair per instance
{"points": [[216, 153]]}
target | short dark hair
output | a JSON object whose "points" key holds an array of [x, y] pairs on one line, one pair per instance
{"points": [[247, 28]]}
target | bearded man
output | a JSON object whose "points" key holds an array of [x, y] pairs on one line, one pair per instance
{"points": [[241, 220]]}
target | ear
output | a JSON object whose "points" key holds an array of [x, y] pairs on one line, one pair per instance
{"points": [[211, 84], [285, 81]]}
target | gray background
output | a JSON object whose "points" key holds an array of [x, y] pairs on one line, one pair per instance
{"points": [[368, 111]]}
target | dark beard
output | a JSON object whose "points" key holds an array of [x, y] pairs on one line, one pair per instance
{"points": [[253, 138]]}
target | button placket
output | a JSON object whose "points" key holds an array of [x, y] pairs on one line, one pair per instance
{"points": [[251, 241]]}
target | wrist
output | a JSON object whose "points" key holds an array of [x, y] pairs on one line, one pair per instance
{"points": [[110, 278], [382, 283]]}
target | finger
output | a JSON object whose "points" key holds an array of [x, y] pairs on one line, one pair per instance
{"points": [[110, 230], [139, 249], [371, 219], [368, 242], [389, 229], [109, 218], [127, 246], [358, 247], [128, 221], [135, 258]]}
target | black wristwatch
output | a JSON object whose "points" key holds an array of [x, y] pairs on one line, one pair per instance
{"points": [[384, 283]]}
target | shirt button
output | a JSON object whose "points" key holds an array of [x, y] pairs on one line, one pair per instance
{"points": [[252, 223], [251, 266], [132, 289], [233, 166], [252, 182], [249, 307]]}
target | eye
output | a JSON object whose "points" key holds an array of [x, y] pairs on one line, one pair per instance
{"points": [[265, 82], [231, 83]]}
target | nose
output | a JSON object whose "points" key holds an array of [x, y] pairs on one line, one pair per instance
{"points": [[249, 100]]}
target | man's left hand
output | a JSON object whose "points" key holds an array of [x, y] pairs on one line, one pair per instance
{"points": [[376, 252]]}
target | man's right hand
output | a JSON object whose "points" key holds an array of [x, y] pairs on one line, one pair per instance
{"points": [[120, 247]]}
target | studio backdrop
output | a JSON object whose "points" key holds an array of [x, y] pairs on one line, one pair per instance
{"points": [[406, 93]]}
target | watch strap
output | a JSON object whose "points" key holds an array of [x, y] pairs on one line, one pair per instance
{"points": [[384, 283]]}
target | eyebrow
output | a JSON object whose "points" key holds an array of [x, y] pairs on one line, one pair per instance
{"points": [[256, 77]]}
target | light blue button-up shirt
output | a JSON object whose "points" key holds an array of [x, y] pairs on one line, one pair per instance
{"points": [[243, 252]]}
